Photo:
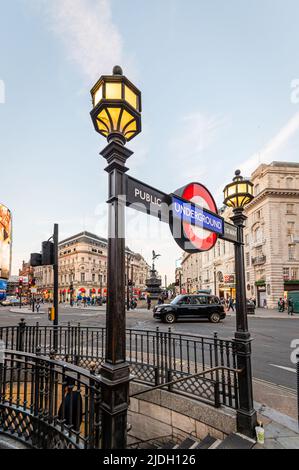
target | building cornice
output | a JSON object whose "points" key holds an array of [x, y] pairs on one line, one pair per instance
{"points": [[272, 192]]}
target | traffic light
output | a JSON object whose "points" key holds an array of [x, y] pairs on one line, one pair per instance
{"points": [[32, 282], [45, 258], [35, 260], [47, 253]]}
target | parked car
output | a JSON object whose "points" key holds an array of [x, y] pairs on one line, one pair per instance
{"points": [[10, 302], [190, 306]]}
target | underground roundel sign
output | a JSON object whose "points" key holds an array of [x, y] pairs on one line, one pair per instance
{"points": [[195, 223]]}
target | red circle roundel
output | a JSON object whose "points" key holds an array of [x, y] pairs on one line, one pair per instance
{"points": [[195, 238]]}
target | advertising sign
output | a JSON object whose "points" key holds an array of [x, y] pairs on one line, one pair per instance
{"points": [[5, 242], [229, 278], [3, 288]]}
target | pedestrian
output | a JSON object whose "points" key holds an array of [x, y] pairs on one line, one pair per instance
{"points": [[290, 306], [149, 302], [230, 304], [70, 410], [265, 303], [281, 305], [160, 300], [37, 306]]}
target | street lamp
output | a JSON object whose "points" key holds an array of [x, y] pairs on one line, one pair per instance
{"points": [[237, 195], [116, 107], [116, 116]]}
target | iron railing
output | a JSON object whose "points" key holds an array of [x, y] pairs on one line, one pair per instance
{"points": [[49, 404], [155, 357]]}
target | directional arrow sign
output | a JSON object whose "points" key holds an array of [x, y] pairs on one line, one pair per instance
{"points": [[230, 232]]}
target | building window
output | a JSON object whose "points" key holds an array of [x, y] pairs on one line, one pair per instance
{"points": [[93, 278], [82, 260], [247, 259], [82, 277], [289, 182], [290, 209], [286, 274], [257, 189], [248, 276], [294, 274], [291, 228], [292, 252]]}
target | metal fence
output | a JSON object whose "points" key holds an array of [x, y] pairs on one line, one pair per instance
{"points": [[155, 357], [48, 404]]}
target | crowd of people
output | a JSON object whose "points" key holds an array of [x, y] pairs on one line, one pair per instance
{"points": [[283, 304]]}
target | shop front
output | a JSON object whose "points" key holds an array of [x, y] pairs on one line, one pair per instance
{"points": [[227, 288], [261, 294]]}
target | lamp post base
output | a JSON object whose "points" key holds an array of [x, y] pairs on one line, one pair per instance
{"points": [[115, 401], [246, 422], [246, 414]]}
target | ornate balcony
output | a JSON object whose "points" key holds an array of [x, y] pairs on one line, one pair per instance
{"points": [[261, 259]]}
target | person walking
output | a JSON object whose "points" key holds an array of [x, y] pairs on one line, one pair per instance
{"points": [[281, 305], [37, 306], [230, 305], [290, 306], [149, 302]]}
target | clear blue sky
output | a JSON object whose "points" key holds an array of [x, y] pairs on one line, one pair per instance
{"points": [[216, 82]]}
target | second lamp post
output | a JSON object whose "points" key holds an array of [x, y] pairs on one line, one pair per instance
{"points": [[237, 195]]}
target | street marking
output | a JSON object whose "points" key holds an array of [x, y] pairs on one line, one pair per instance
{"points": [[289, 369]]}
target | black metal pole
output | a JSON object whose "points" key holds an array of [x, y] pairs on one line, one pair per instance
{"points": [[246, 414], [71, 293], [180, 275], [55, 298], [127, 279], [115, 373], [215, 283]]}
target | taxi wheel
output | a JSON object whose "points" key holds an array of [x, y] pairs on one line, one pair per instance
{"points": [[169, 318], [215, 317]]}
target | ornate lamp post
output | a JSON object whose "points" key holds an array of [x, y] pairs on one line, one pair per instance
{"points": [[237, 195], [116, 115]]}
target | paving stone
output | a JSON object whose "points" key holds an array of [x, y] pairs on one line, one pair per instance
{"points": [[276, 430], [289, 442]]}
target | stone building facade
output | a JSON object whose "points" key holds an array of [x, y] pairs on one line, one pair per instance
{"points": [[83, 263], [271, 239]]}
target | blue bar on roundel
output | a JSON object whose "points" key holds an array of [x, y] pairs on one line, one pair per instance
{"points": [[195, 215]]}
